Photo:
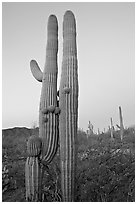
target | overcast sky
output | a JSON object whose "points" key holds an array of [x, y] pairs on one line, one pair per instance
{"points": [[106, 60]]}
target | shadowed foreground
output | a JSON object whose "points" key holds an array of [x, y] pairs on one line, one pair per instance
{"points": [[105, 168]]}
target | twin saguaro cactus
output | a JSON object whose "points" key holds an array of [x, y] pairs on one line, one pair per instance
{"points": [[42, 149]]}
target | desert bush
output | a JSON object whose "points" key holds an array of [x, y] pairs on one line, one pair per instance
{"points": [[106, 174], [8, 182]]}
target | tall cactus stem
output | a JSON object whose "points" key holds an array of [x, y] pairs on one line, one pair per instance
{"points": [[48, 116], [48, 101], [68, 94]]}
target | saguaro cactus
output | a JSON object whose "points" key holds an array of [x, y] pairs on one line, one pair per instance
{"points": [[121, 124], [98, 131], [42, 150], [111, 128], [90, 129], [33, 169], [68, 102]]}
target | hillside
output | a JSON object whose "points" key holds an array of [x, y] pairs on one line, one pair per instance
{"points": [[105, 168]]}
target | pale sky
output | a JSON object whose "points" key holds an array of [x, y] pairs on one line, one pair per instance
{"points": [[106, 60]]}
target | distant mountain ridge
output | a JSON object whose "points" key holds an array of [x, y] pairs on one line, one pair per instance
{"points": [[21, 131]]}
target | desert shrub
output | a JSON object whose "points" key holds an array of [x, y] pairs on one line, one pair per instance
{"points": [[7, 180], [51, 188], [106, 175]]}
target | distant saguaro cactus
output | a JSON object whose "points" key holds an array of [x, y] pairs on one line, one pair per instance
{"points": [[98, 131], [42, 150], [68, 102], [111, 128], [90, 129], [121, 124]]}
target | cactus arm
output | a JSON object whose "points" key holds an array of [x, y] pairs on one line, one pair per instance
{"points": [[36, 72], [118, 126]]}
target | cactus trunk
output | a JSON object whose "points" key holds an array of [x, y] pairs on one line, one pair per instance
{"points": [[48, 116], [121, 124], [68, 95]]}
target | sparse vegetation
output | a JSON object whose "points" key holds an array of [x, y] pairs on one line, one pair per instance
{"points": [[105, 168]]}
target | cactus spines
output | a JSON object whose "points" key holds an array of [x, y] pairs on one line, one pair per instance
{"points": [[45, 119], [66, 90], [68, 103], [51, 109], [121, 123], [57, 110], [45, 111]]}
